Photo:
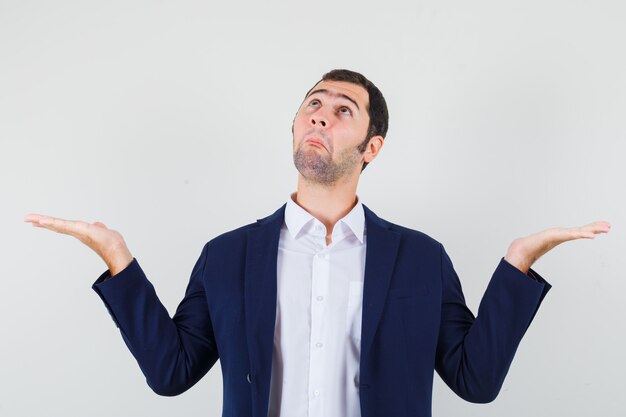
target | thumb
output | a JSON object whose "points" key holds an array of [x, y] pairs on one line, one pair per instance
{"points": [[100, 224]]}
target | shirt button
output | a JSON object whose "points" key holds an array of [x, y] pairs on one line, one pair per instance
{"points": [[319, 345], [316, 393], [320, 298]]}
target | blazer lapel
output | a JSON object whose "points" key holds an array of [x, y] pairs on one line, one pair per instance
{"points": [[260, 305], [380, 258]]}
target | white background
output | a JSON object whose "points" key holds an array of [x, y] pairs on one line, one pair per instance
{"points": [[170, 121]]}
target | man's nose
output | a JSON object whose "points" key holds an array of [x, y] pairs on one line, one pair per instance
{"points": [[319, 120]]}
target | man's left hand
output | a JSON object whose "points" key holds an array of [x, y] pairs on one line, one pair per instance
{"points": [[524, 251]]}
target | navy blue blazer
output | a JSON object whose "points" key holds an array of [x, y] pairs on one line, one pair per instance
{"points": [[414, 321]]}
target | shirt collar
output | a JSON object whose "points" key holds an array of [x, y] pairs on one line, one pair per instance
{"points": [[296, 218]]}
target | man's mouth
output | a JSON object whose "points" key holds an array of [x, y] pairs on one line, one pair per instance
{"points": [[317, 143]]}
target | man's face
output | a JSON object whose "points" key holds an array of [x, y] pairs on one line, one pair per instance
{"points": [[328, 128]]}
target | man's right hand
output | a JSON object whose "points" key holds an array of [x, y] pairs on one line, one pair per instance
{"points": [[108, 244]]}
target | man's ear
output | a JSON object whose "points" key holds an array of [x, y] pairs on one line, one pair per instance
{"points": [[374, 146]]}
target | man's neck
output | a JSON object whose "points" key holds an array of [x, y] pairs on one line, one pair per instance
{"points": [[327, 203]]}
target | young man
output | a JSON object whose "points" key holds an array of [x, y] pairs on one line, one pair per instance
{"points": [[323, 308]]}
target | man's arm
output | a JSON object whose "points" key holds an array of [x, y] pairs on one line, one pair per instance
{"points": [[173, 353], [474, 354]]}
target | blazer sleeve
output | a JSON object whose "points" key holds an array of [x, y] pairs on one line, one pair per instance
{"points": [[474, 354], [173, 353]]}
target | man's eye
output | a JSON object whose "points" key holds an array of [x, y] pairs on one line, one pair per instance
{"points": [[314, 103], [345, 110]]}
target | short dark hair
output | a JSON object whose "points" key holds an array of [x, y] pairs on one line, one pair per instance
{"points": [[376, 108]]}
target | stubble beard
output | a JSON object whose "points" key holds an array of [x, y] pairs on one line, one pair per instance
{"points": [[321, 168]]}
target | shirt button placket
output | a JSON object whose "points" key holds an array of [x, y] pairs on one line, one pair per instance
{"points": [[317, 358]]}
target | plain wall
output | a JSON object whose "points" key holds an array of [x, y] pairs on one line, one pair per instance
{"points": [[170, 122]]}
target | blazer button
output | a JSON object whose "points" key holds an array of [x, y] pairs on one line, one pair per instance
{"points": [[249, 379]]}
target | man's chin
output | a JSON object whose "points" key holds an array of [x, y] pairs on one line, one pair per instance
{"points": [[312, 174]]}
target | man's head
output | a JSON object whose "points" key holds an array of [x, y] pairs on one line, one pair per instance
{"points": [[340, 126]]}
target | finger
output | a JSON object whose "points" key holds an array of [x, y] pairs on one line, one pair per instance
{"points": [[38, 220], [588, 231], [100, 224], [69, 227], [597, 227], [557, 235], [602, 227], [32, 218]]}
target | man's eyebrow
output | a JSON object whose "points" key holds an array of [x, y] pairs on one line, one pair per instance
{"points": [[325, 91]]}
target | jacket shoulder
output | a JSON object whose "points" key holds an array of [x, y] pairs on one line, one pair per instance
{"points": [[408, 235], [237, 237]]}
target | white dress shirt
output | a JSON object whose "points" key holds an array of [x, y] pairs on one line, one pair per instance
{"points": [[317, 337]]}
